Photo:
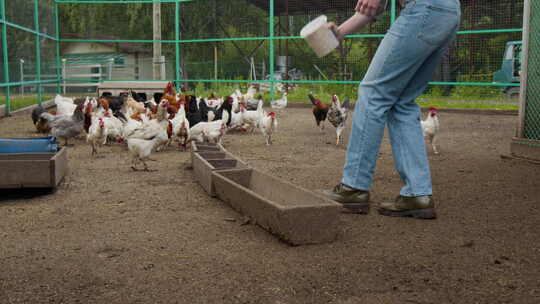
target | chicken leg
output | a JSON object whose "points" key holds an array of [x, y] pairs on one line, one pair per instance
{"points": [[339, 129], [94, 150], [146, 167], [432, 142]]}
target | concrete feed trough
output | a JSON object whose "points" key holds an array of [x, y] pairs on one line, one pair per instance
{"points": [[206, 162], [295, 215], [32, 170], [204, 147]]}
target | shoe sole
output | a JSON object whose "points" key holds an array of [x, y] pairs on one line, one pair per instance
{"points": [[355, 208], [425, 214]]}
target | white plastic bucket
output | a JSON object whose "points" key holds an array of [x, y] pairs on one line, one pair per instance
{"points": [[320, 38]]}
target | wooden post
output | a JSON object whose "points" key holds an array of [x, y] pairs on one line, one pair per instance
{"points": [[158, 59]]}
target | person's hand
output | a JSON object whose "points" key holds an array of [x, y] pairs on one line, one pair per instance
{"points": [[368, 7], [334, 28]]}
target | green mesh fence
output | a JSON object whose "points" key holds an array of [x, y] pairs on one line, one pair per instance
{"points": [[234, 42], [29, 46], [531, 126]]}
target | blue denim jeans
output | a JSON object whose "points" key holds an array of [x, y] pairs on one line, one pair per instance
{"points": [[399, 72]]}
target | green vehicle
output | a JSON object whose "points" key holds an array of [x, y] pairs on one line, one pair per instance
{"points": [[510, 71]]}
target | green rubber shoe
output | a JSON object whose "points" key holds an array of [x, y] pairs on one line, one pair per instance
{"points": [[353, 200], [421, 207]]}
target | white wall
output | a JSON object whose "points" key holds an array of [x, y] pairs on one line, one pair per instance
{"points": [[87, 47]]}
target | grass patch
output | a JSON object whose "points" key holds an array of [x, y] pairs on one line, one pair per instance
{"points": [[441, 104], [445, 103], [451, 103], [18, 102]]}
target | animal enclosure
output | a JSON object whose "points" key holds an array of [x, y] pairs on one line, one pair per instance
{"points": [[237, 42]]}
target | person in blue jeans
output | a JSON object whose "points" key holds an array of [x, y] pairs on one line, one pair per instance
{"points": [[399, 72]]}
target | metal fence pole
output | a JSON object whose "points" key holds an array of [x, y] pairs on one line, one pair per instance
{"points": [[177, 43], [38, 50], [110, 67], [524, 69], [57, 59], [393, 11], [64, 75], [271, 48], [5, 56]]}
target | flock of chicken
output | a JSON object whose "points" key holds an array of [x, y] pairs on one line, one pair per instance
{"points": [[148, 125]]}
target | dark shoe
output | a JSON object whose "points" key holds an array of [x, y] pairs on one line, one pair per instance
{"points": [[421, 207], [353, 200]]}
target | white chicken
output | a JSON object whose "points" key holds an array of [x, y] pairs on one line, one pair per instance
{"points": [[237, 118], [210, 131], [280, 103], [150, 128], [114, 127], [97, 134], [337, 115], [236, 102], [430, 127], [141, 149], [252, 118], [268, 126], [64, 105]]}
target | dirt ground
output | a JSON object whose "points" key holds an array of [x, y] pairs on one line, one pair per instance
{"points": [[110, 235]]}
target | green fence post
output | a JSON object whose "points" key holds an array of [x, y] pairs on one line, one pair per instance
{"points": [[5, 56], [57, 57], [271, 49], [38, 49], [393, 11], [177, 43]]}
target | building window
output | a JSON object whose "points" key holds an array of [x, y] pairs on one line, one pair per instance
{"points": [[119, 61]]}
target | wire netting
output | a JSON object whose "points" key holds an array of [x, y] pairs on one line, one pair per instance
{"points": [[532, 102], [227, 40], [233, 41]]}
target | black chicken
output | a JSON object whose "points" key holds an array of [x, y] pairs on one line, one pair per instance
{"points": [[194, 115], [37, 112], [226, 106]]}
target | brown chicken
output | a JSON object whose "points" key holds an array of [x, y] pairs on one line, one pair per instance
{"points": [[169, 89], [136, 116], [173, 99], [320, 111], [104, 103]]}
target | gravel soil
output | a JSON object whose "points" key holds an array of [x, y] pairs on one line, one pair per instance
{"points": [[110, 235]]}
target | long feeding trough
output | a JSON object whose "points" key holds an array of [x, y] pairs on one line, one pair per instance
{"points": [[208, 158], [295, 215]]}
